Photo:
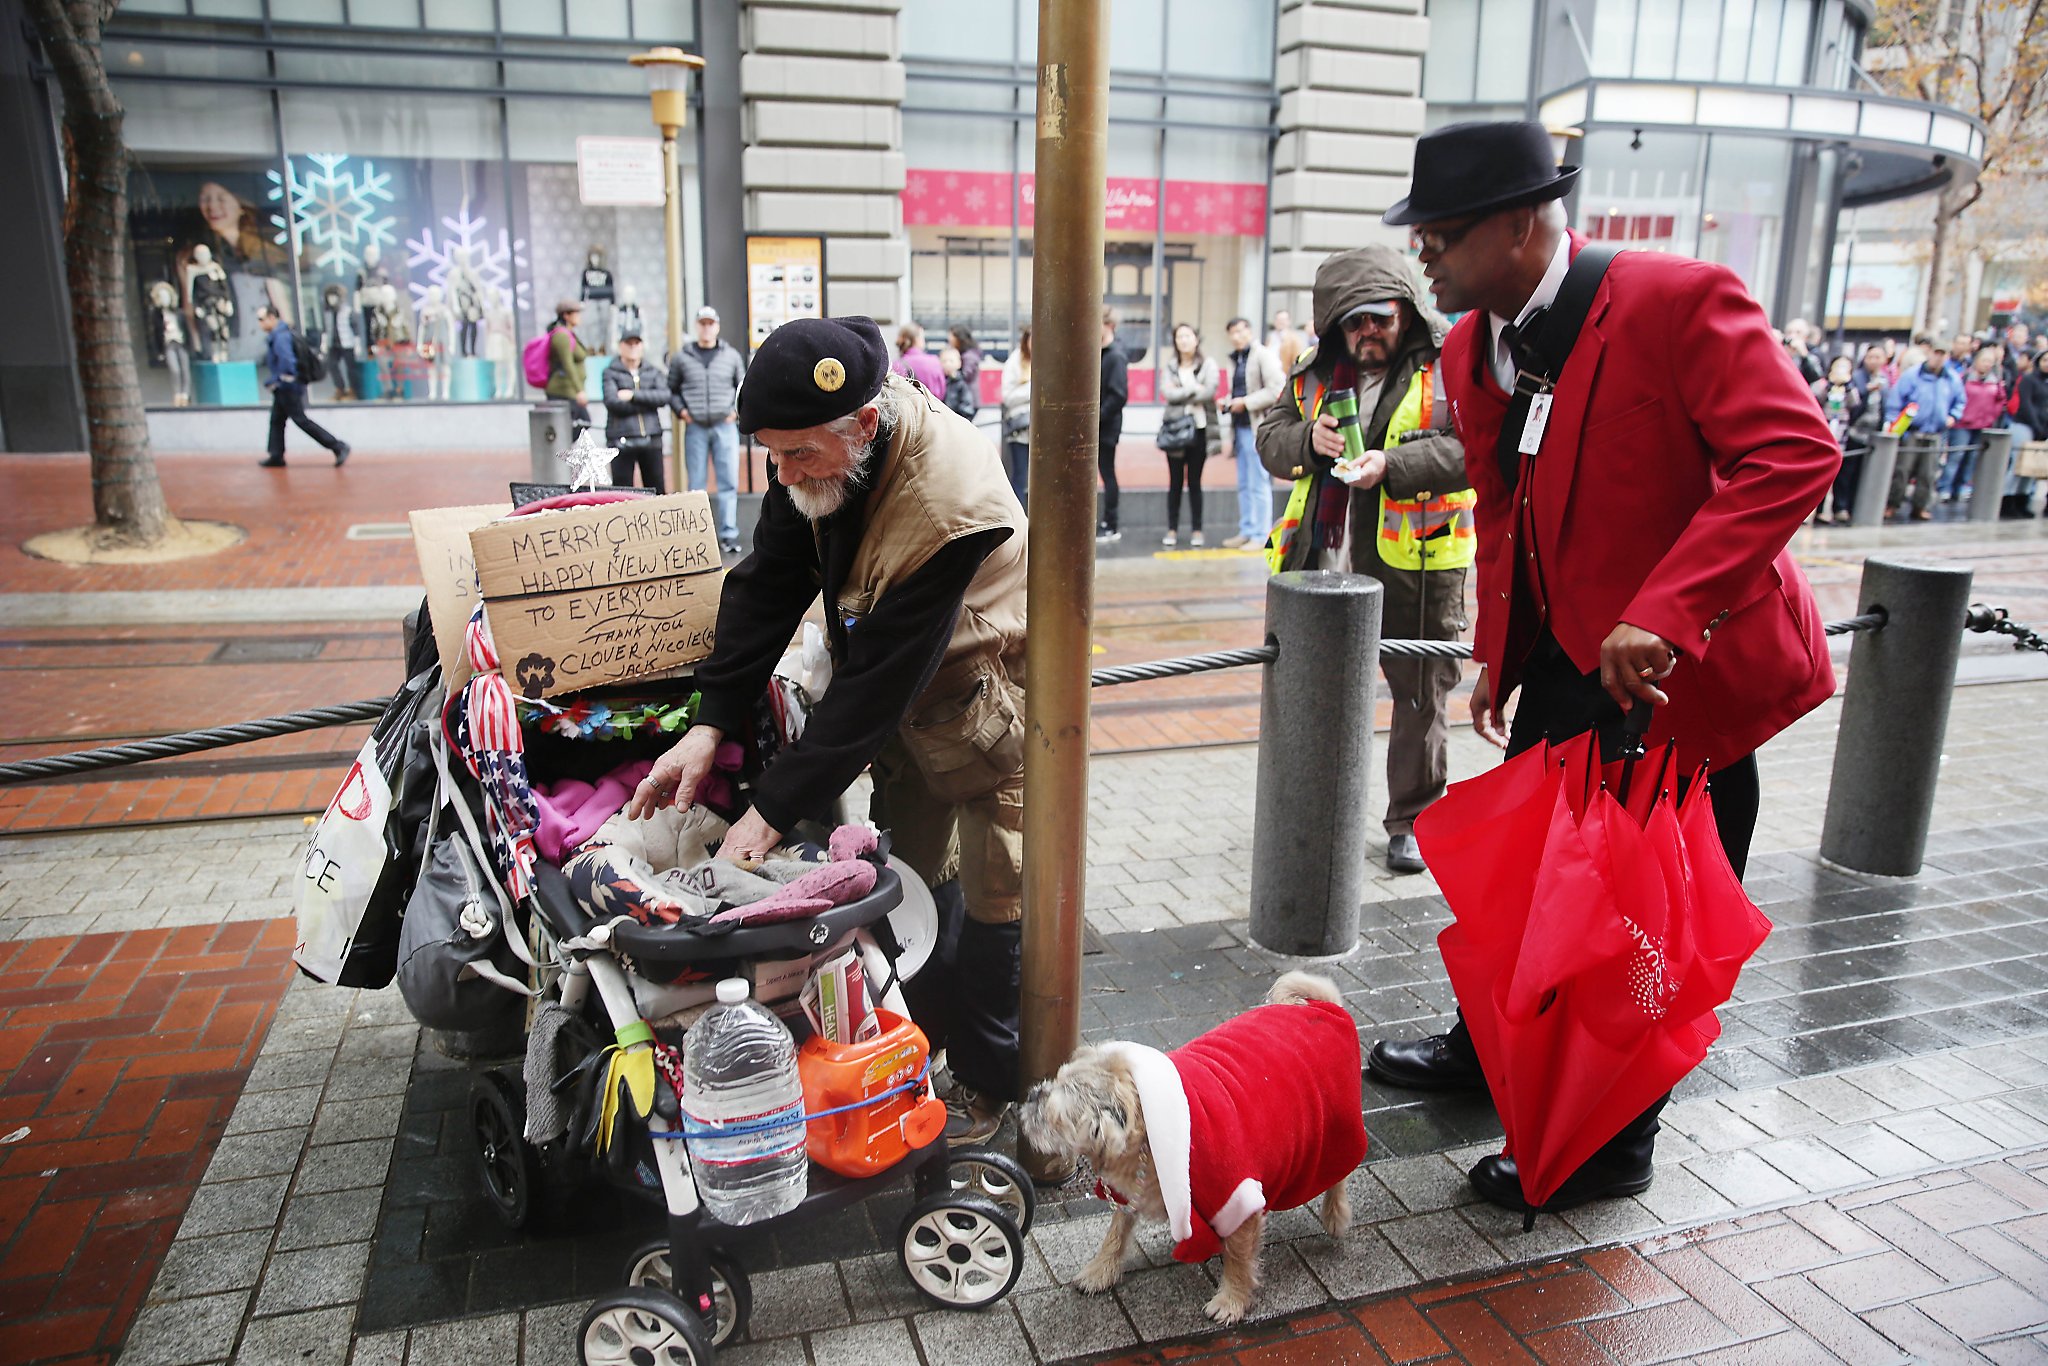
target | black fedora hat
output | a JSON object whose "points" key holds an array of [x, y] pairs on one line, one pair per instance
{"points": [[1469, 168]]}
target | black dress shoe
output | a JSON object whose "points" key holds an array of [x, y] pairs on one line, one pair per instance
{"points": [[275, 462], [1498, 1183], [1429, 1064], [341, 454], [1404, 855]]}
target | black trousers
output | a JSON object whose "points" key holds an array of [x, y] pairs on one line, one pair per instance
{"points": [[1105, 465], [641, 453], [1558, 702], [1186, 463], [288, 403], [966, 998]]}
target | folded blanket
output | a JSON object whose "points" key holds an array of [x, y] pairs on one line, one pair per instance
{"points": [[820, 889], [571, 811]]}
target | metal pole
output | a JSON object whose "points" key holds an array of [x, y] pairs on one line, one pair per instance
{"points": [[1315, 735], [1987, 482], [1874, 484], [1066, 395], [672, 243], [1895, 717]]}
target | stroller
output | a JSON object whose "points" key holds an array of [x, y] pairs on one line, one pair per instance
{"points": [[608, 985]]}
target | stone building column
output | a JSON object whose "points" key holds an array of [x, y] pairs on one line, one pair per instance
{"points": [[1349, 73], [822, 82]]}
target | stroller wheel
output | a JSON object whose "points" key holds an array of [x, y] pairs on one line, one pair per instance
{"points": [[960, 1251], [997, 1177], [732, 1298], [505, 1161], [643, 1327]]}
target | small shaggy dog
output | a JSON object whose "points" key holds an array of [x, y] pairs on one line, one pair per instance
{"points": [[1261, 1113]]}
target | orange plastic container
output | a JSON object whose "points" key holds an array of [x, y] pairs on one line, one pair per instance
{"points": [[871, 1138]]}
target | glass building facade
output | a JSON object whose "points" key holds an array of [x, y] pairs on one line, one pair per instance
{"points": [[316, 147], [1190, 158]]}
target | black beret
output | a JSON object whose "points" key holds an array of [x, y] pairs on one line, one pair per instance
{"points": [[810, 371]]}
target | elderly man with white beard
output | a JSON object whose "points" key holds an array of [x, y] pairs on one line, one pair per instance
{"points": [[900, 514]]}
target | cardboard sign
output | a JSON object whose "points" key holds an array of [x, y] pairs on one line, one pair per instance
{"points": [[440, 536], [582, 596]]}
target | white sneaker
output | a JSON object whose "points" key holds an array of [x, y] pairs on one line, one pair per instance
{"points": [[1169, 540], [1195, 540]]}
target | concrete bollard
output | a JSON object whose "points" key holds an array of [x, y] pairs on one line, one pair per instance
{"points": [[547, 433], [1895, 717], [1987, 481], [1315, 762], [1874, 484]]}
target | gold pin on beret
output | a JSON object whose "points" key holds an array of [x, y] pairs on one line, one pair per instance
{"points": [[828, 375]]}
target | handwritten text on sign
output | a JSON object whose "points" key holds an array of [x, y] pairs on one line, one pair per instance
{"points": [[602, 594]]}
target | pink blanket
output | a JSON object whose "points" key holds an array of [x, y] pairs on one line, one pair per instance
{"points": [[572, 810]]}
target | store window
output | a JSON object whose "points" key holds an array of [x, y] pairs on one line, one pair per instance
{"points": [[1642, 192], [1742, 220], [206, 254], [1215, 230]]}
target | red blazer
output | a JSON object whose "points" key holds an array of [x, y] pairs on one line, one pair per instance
{"points": [[1681, 455]]}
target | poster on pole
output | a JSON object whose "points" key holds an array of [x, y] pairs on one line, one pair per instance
{"points": [[785, 280], [619, 171]]}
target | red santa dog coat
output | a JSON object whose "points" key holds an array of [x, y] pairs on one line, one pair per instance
{"points": [[1260, 1113]]}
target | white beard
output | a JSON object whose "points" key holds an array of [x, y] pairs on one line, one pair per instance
{"points": [[818, 499]]}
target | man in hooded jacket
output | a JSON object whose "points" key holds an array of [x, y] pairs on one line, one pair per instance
{"points": [[1402, 513]]}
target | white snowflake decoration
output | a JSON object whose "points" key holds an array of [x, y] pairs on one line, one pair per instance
{"points": [[331, 207], [492, 260], [588, 461]]}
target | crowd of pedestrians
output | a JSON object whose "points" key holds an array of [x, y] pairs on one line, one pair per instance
{"points": [[1940, 396]]}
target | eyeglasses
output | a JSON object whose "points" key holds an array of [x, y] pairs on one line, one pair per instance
{"points": [[1437, 241]]}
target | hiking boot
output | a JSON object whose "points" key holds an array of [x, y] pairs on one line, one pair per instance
{"points": [[972, 1117]]}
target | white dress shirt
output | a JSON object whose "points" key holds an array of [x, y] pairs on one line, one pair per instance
{"points": [[1546, 294]]}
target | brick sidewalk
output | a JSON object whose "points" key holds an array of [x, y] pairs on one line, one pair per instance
{"points": [[121, 1058], [1945, 1267]]}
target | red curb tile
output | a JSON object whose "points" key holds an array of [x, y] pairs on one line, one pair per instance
{"points": [[1567, 1347], [1343, 1346], [1660, 1333], [1458, 1288], [1477, 1335], [48, 1239], [1554, 1300], [1400, 1331], [52, 1337], [1635, 1279]]}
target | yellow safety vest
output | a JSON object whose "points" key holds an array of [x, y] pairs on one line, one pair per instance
{"points": [[1428, 531]]}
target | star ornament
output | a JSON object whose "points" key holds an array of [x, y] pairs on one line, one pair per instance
{"points": [[588, 461]]}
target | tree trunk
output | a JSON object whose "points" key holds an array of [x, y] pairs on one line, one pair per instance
{"points": [[1937, 264], [128, 503]]}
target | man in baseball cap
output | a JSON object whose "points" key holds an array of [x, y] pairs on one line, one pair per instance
{"points": [[901, 511]]}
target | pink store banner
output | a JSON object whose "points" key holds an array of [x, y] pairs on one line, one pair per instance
{"points": [[982, 199]]}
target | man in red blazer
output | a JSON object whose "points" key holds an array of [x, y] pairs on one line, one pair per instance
{"points": [[1632, 526]]}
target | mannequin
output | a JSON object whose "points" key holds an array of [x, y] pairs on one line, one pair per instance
{"points": [[597, 291], [213, 303], [397, 317], [465, 300], [436, 325], [167, 336], [338, 339], [499, 345], [626, 318], [372, 282]]}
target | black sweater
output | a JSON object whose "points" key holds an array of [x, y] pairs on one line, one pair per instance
{"points": [[882, 661]]}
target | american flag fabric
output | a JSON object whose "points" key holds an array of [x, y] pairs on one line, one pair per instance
{"points": [[487, 733]]}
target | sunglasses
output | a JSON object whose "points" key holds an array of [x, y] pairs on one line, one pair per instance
{"points": [[1437, 241], [1360, 322]]}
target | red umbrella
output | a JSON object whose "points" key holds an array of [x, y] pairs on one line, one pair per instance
{"points": [[1598, 924]]}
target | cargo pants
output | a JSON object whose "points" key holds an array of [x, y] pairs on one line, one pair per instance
{"points": [[971, 854]]}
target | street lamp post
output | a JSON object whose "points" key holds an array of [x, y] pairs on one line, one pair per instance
{"points": [[668, 73]]}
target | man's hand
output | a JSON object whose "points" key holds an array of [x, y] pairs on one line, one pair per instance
{"points": [[1486, 717], [625, 395], [683, 416], [676, 774], [1324, 438], [1367, 473], [1632, 661], [1235, 405], [750, 839]]}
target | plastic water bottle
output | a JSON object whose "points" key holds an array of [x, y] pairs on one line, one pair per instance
{"points": [[739, 1072]]}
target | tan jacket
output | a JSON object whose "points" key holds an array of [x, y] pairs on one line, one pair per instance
{"points": [[943, 480]]}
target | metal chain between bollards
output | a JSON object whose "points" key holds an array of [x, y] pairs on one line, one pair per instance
{"points": [[1981, 618], [1997, 621]]}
